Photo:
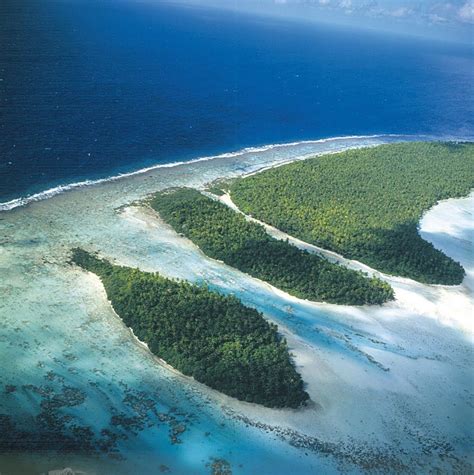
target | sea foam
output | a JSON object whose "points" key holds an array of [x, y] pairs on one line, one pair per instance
{"points": [[49, 193]]}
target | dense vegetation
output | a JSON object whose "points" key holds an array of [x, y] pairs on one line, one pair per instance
{"points": [[226, 235], [203, 334], [366, 204]]}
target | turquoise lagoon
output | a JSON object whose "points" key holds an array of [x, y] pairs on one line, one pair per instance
{"points": [[391, 387]]}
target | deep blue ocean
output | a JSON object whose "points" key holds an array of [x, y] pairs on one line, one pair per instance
{"points": [[90, 89]]}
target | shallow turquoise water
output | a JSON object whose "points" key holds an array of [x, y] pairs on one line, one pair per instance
{"points": [[390, 386]]}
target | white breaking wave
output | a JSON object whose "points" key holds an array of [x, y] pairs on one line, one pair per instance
{"points": [[22, 201]]}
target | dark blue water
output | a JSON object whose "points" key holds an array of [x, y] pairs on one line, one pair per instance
{"points": [[89, 89]]}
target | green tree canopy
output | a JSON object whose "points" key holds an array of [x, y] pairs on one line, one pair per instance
{"points": [[226, 235], [211, 337], [366, 204]]}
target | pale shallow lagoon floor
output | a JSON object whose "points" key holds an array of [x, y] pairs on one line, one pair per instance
{"points": [[391, 386]]}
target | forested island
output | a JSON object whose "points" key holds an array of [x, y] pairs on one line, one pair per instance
{"points": [[223, 234], [211, 337], [366, 204]]}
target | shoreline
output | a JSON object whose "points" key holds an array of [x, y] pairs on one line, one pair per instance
{"points": [[59, 189]]}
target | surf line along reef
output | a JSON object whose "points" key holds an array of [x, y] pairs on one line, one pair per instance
{"points": [[203, 334]]}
